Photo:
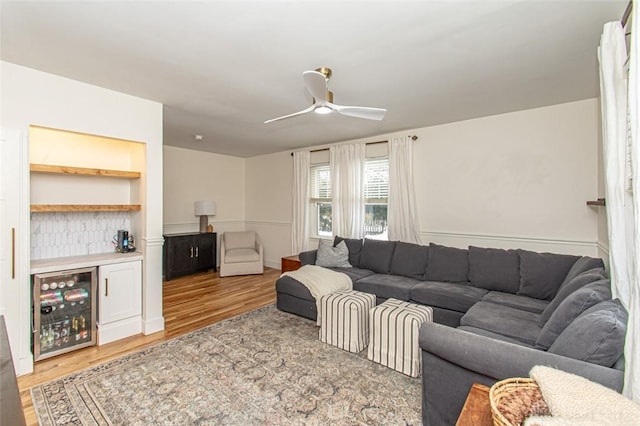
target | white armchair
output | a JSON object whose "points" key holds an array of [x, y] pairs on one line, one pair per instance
{"points": [[241, 253]]}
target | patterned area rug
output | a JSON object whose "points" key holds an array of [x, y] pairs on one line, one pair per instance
{"points": [[263, 367]]}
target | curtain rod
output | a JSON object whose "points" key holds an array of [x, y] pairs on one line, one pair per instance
{"points": [[413, 138], [626, 14]]}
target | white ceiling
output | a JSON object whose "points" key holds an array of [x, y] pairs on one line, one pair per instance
{"points": [[221, 68]]}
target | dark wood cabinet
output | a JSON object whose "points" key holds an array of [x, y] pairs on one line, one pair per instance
{"points": [[189, 253]]}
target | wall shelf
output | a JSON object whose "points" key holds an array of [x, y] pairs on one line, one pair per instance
{"points": [[85, 207], [69, 170]]}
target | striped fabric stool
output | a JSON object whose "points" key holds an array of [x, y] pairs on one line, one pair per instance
{"points": [[393, 335], [345, 319]]}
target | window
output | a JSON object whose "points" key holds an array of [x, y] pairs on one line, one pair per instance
{"points": [[376, 192], [320, 193]]}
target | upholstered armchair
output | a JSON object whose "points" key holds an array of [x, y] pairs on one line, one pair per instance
{"points": [[241, 253]]}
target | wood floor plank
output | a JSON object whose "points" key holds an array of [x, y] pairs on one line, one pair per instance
{"points": [[189, 303]]}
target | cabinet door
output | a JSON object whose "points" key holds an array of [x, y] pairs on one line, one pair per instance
{"points": [[180, 253], [120, 289], [204, 251]]}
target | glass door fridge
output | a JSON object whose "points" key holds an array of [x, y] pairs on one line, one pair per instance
{"points": [[64, 311]]}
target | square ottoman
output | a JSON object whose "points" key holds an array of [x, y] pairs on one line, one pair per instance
{"points": [[345, 319], [393, 335]]}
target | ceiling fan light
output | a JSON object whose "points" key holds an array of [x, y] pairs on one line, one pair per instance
{"points": [[323, 110]]}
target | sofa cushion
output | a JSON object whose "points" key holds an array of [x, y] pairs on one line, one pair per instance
{"points": [[447, 264], [240, 239], [355, 249], [596, 336], [569, 287], [524, 303], [570, 308], [409, 260], [287, 285], [542, 273], [494, 269], [354, 273], [585, 263], [451, 296], [328, 255], [513, 323], [386, 286], [376, 255], [496, 336]]}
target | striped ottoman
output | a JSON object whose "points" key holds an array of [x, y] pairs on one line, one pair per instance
{"points": [[345, 319], [393, 335]]}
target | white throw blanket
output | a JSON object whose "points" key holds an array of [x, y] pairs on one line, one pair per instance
{"points": [[320, 281], [574, 400]]}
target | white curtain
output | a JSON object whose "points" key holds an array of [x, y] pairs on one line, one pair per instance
{"points": [[623, 203], [632, 346], [402, 213], [347, 174], [300, 227]]}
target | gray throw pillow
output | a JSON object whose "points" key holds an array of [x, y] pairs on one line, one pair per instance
{"points": [[541, 274], [409, 260], [494, 269], [329, 256], [355, 249], [567, 288], [570, 308], [376, 255], [448, 264], [596, 336]]}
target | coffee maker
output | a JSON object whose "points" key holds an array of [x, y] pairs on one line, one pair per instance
{"points": [[123, 242]]}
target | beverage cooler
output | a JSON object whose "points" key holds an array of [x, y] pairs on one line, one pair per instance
{"points": [[64, 311]]}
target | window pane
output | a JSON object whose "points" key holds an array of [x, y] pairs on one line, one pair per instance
{"points": [[324, 219], [375, 221]]}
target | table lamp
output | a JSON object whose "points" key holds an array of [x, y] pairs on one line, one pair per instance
{"points": [[204, 209]]}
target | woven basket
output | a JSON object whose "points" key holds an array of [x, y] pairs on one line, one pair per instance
{"points": [[500, 390]]}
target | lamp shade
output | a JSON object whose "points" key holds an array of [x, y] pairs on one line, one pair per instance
{"points": [[204, 208]]}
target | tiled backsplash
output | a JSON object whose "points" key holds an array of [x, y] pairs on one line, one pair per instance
{"points": [[75, 233]]}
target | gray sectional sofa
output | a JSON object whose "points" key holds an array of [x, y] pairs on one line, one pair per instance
{"points": [[497, 313]]}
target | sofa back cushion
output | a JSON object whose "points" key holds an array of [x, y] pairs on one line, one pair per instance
{"points": [[569, 287], [330, 256], [570, 308], [596, 336], [541, 274], [410, 260], [494, 269], [239, 239], [376, 255], [447, 264], [355, 249], [584, 263]]}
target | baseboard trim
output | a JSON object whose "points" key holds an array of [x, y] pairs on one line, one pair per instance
{"points": [[152, 326]]}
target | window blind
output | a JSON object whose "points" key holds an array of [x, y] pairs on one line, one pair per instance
{"points": [[320, 182], [376, 173]]}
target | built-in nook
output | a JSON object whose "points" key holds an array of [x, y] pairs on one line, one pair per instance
{"points": [[83, 189]]}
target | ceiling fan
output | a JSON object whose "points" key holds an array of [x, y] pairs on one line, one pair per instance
{"points": [[316, 82]]}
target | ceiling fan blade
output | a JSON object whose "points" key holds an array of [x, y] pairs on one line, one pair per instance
{"points": [[360, 112], [316, 85], [311, 108]]}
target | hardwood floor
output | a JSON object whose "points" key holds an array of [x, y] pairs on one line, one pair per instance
{"points": [[189, 303]]}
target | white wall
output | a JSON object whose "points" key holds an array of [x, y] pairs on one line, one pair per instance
{"points": [[31, 97], [520, 179], [190, 176], [269, 203], [513, 180]]}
